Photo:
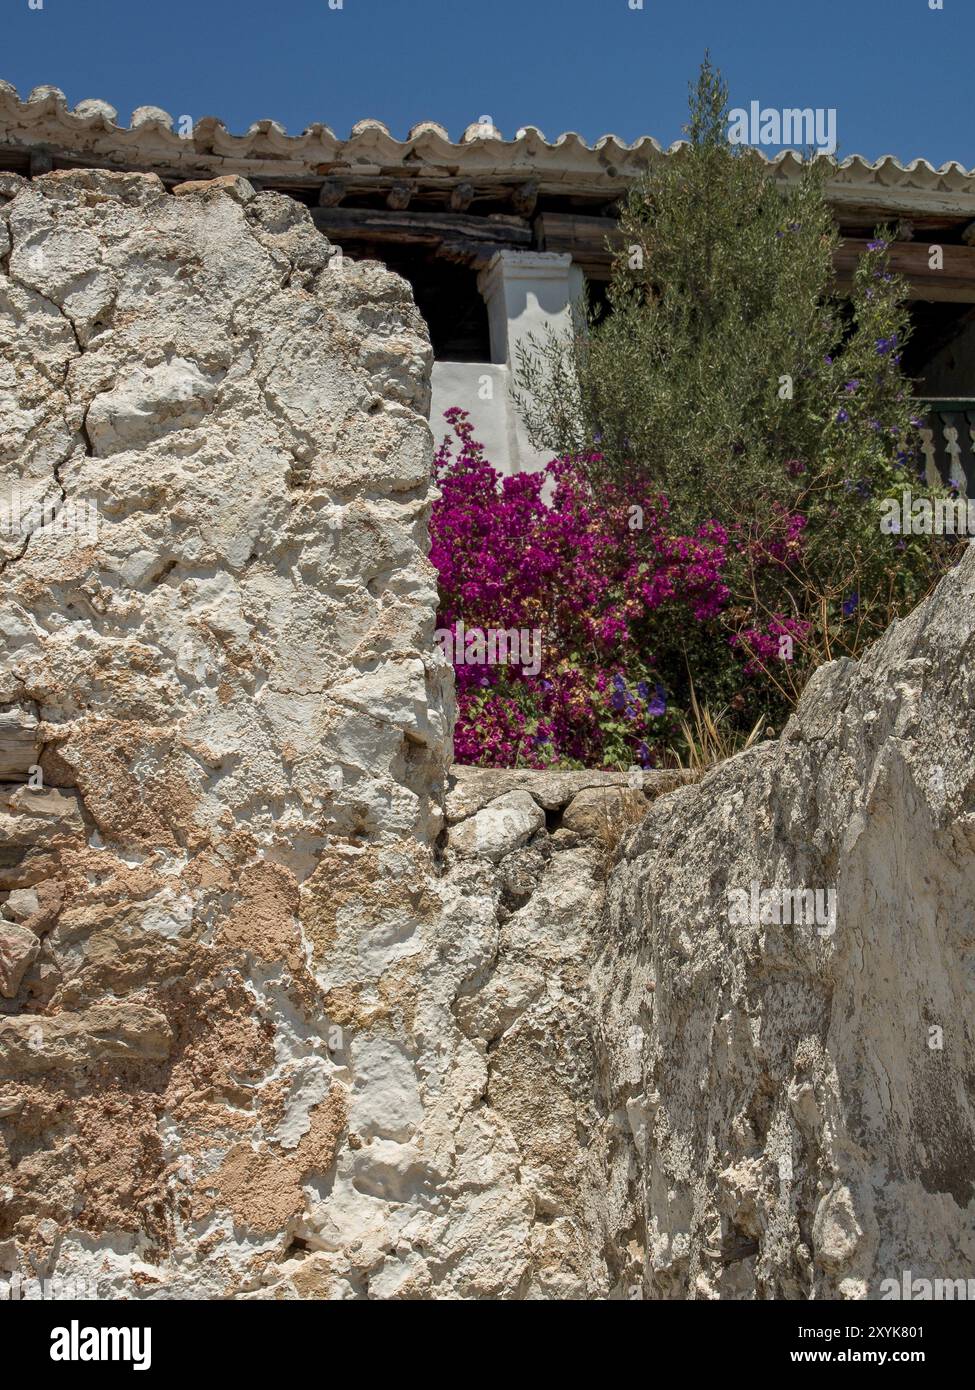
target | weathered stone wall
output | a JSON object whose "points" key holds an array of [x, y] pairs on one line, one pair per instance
{"points": [[790, 1109], [232, 693], [288, 1011]]}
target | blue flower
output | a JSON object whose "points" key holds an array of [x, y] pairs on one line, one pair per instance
{"points": [[849, 604], [852, 386], [842, 416], [877, 245], [643, 690], [658, 705]]}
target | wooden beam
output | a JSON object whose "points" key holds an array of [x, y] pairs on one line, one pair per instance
{"points": [[331, 193], [461, 197], [430, 228], [955, 283], [476, 255], [585, 238], [399, 195], [524, 199]]}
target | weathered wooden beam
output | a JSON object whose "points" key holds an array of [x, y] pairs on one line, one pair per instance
{"points": [[330, 194], [525, 198], [585, 238], [954, 283], [383, 224], [399, 195], [589, 239], [461, 197], [476, 255], [887, 204]]}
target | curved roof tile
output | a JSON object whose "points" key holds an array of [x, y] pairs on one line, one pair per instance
{"points": [[92, 128]]}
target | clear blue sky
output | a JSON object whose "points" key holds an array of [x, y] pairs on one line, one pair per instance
{"points": [[899, 74]]}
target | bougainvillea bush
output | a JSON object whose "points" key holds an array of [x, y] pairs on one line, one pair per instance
{"points": [[624, 605], [636, 617]]}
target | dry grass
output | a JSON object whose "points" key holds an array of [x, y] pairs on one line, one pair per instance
{"points": [[709, 739]]}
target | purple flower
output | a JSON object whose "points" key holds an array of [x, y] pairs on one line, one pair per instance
{"points": [[885, 345], [849, 604], [877, 245], [852, 386], [842, 416], [658, 705]]}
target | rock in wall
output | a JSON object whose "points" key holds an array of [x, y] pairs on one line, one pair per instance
{"points": [[790, 1109], [217, 658]]}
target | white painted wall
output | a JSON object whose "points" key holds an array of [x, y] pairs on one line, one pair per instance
{"points": [[524, 291], [483, 389]]}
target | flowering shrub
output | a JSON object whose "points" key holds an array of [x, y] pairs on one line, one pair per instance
{"points": [[726, 438], [623, 604]]}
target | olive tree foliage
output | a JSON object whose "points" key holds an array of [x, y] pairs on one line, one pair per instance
{"points": [[724, 357]]}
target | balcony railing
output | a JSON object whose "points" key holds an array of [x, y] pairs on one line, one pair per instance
{"points": [[948, 442]]}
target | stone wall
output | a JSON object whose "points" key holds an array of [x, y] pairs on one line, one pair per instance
{"points": [[288, 1009], [791, 1109], [240, 722]]}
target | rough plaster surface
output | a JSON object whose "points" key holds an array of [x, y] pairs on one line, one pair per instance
{"points": [[288, 1012]]}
